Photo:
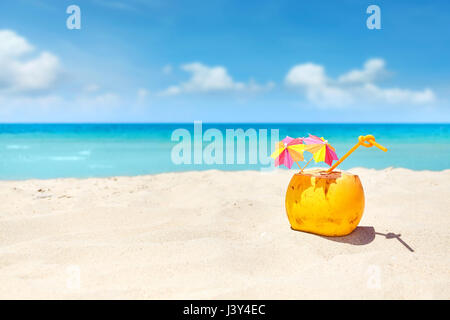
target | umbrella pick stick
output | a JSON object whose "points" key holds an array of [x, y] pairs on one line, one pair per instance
{"points": [[301, 169], [366, 141]]}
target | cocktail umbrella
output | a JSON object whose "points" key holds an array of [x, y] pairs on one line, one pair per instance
{"points": [[321, 149], [289, 150]]}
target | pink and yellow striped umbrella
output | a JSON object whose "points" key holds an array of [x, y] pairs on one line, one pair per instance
{"points": [[321, 149], [289, 150]]}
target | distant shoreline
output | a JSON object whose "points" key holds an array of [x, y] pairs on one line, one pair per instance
{"points": [[207, 171]]}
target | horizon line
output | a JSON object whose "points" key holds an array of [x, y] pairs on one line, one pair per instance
{"points": [[215, 122]]}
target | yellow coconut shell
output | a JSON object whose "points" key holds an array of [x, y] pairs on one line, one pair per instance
{"points": [[329, 204]]}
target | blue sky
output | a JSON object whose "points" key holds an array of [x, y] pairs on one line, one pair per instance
{"points": [[224, 61]]}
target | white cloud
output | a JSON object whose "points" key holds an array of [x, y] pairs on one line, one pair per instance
{"points": [[372, 71], [12, 45], [307, 74], [20, 73], [353, 87], [211, 79], [396, 95], [29, 91], [311, 77]]}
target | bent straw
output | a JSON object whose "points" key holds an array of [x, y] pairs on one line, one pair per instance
{"points": [[366, 141]]}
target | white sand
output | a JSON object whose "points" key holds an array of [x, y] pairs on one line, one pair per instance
{"points": [[219, 235]]}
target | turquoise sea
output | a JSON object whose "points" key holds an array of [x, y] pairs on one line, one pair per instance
{"points": [[101, 150]]}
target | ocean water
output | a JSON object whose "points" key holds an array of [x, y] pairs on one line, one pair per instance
{"points": [[101, 150]]}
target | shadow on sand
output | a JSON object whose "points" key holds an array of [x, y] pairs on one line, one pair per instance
{"points": [[392, 235], [360, 236], [365, 235]]}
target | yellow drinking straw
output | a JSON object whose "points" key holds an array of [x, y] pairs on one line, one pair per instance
{"points": [[366, 141]]}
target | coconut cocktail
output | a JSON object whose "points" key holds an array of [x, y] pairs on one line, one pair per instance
{"points": [[324, 202]]}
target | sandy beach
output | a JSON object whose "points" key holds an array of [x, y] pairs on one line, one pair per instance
{"points": [[219, 235]]}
